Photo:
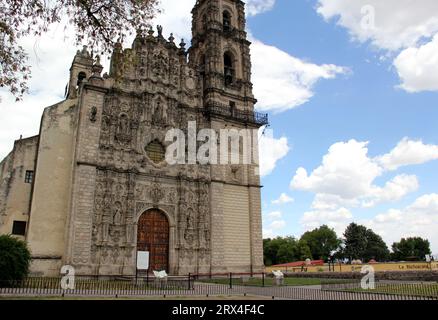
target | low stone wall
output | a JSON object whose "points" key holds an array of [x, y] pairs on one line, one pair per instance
{"points": [[386, 275]]}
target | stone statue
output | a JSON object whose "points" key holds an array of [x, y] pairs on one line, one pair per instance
{"points": [[160, 30]]}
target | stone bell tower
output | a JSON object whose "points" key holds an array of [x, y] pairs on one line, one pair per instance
{"points": [[221, 53]]}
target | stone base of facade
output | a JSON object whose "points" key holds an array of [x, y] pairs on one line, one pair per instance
{"points": [[45, 267]]}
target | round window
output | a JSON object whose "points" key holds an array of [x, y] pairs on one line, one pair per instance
{"points": [[156, 152]]}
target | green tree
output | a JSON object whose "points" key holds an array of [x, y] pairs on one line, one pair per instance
{"points": [[97, 23], [321, 241], [355, 241], [14, 259], [283, 250], [411, 249], [287, 251], [365, 244], [270, 249], [376, 248], [303, 251]]}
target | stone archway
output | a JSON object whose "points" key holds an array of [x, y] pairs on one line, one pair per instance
{"points": [[153, 236]]}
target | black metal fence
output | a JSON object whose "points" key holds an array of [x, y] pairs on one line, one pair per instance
{"points": [[428, 290], [223, 285], [217, 109]]}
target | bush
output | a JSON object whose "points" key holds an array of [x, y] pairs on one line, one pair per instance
{"points": [[14, 259]]}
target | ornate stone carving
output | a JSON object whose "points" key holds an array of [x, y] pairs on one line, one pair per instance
{"points": [[160, 65], [123, 131], [156, 193]]}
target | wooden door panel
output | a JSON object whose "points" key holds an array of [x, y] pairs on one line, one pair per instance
{"points": [[153, 236]]}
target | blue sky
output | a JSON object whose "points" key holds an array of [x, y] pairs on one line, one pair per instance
{"points": [[365, 104], [354, 82]]}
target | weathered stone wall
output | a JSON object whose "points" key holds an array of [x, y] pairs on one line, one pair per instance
{"points": [[15, 193], [52, 190], [79, 226], [236, 225]]}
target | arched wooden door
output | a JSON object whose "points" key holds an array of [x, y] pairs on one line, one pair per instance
{"points": [[153, 236]]}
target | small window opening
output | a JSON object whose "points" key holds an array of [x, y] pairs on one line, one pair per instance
{"points": [[226, 19], [19, 228], [232, 107], [29, 176], [228, 69], [81, 76]]}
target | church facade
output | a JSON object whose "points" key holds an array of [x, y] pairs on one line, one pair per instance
{"points": [[94, 187]]}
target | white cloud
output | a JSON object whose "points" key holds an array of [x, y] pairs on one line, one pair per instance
{"points": [[324, 202], [417, 67], [419, 219], [408, 152], [391, 216], [398, 23], [393, 190], [275, 215], [346, 171], [346, 178], [254, 7], [274, 228], [393, 26], [286, 81], [268, 234], [271, 151], [336, 219], [277, 225], [284, 198]]}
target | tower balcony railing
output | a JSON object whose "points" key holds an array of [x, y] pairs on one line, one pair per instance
{"points": [[232, 113]]}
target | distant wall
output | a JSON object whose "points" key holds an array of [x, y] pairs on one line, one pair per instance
{"points": [[380, 275], [378, 267], [15, 192]]}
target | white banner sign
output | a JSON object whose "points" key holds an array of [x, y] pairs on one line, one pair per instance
{"points": [[143, 260]]}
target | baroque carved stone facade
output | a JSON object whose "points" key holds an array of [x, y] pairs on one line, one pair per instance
{"points": [[99, 166]]}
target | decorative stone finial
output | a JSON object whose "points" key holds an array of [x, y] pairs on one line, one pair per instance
{"points": [[84, 52], [98, 60], [151, 31], [182, 44], [171, 38]]}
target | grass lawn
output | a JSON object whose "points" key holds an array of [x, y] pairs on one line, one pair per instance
{"points": [[257, 282], [422, 290]]}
